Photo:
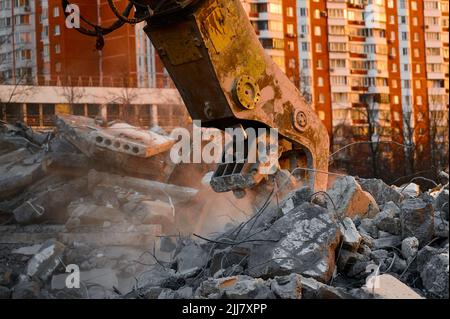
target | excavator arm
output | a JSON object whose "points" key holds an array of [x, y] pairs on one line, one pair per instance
{"points": [[226, 79]]}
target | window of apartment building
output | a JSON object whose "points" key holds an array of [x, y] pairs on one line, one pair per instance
{"points": [[393, 52], [337, 63], [405, 36], [338, 47], [336, 13], [415, 21], [22, 19], [359, 64], [394, 84], [338, 80], [431, 5], [445, 23], [320, 81], [402, 4], [445, 52], [417, 68], [58, 67], [431, 21], [56, 11], [291, 45], [336, 30], [391, 19], [394, 67], [275, 8], [318, 47], [396, 99], [317, 31], [414, 5], [305, 46], [406, 67], [23, 37], [419, 100], [57, 30], [402, 19], [358, 48], [306, 64], [321, 98], [290, 29], [393, 36], [57, 48], [319, 64], [275, 26], [390, 4], [21, 3], [339, 97], [434, 67], [444, 6], [303, 12], [290, 12], [416, 37], [406, 84], [317, 14], [405, 51], [433, 35], [304, 29], [435, 84], [416, 53]]}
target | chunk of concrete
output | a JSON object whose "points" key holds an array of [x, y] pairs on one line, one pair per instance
{"points": [[237, 287], [440, 225], [381, 191], [28, 250], [191, 256], [92, 214], [287, 287], [410, 247], [435, 276], [410, 190], [417, 220], [387, 242], [44, 263], [387, 221], [351, 237], [154, 212], [303, 241], [350, 199], [388, 287]]}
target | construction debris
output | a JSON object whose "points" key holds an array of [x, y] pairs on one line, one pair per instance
{"points": [[68, 198]]}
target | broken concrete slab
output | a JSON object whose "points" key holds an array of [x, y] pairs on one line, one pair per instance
{"points": [[224, 258], [388, 287], [351, 237], [28, 251], [387, 242], [351, 200], [435, 276], [387, 219], [47, 206], [29, 235], [410, 190], [410, 247], [191, 256], [17, 176], [157, 190], [296, 198], [287, 287], [237, 287], [182, 293], [441, 227], [152, 212], [44, 263], [92, 214], [417, 220], [303, 241], [381, 191], [143, 236]]}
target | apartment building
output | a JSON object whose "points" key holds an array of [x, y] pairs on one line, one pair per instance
{"points": [[376, 69], [51, 54], [275, 23]]}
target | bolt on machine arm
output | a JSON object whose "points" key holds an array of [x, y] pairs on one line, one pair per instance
{"points": [[226, 79]]}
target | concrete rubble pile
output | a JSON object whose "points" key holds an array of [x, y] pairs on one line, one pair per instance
{"points": [[61, 205]]}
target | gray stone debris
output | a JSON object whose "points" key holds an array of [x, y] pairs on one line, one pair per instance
{"points": [[387, 220], [44, 263], [287, 287], [26, 289], [351, 200], [440, 225], [435, 276], [381, 191], [351, 237], [410, 247], [303, 241], [417, 219], [237, 287], [191, 256]]}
